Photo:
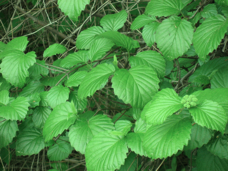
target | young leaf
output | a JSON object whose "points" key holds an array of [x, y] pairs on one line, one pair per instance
{"points": [[95, 80], [72, 8], [209, 11], [54, 50], [76, 79], [210, 114], [87, 37], [40, 115], [170, 136], [135, 86], [61, 118], [149, 32], [174, 36], [220, 79], [8, 131], [4, 97], [17, 110], [210, 162], [61, 150], [123, 126], [113, 22], [29, 142], [99, 48], [120, 39], [105, 152], [151, 59], [15, 65], [165, 104], [206, 41], [218, 147], [141, 21], [164, 7], [85, 129], [74, 59], [58, 95]]}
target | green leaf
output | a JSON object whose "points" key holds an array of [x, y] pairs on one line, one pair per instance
{"points": [[164, 7], [2, 47], [80, 104], [130, 163], [151, 59], [8, 131], [37, 70], [220, 79], [164, 140], [218, 95], [135, 86], [15, 65], [52, 81], [206, 41], [54, 50], [57, 95], [4, 85], [87, 37], [76, 79], [141, 21], [149, 33], [72, 8], [43, 99], [85, 129], [61, 118], [99, 48], [225, 10], [209, 11], [209, 162], [19, 43], [174, 37], [4, 97], [135, 143], [123, 126], [95, 80], [165, 104], [208, 68], [105, 152], [222, 2], [29, 142], [218, 146], [199, 136], [17, 110], [61, 150], [120, 39], [40, 115], [210, 114], [113, 22], [74, 59], [32, 87], [34, 99]]}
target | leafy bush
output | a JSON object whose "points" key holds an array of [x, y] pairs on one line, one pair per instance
{"points": [[121, 102]]}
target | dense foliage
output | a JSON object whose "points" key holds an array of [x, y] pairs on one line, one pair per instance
{"points": [[114, 85]]}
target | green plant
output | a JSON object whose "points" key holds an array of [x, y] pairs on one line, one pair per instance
{"points": [[173, 97]]}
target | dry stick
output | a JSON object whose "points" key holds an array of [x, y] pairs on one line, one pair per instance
{"points": [[160, 165], [41, 23]]}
